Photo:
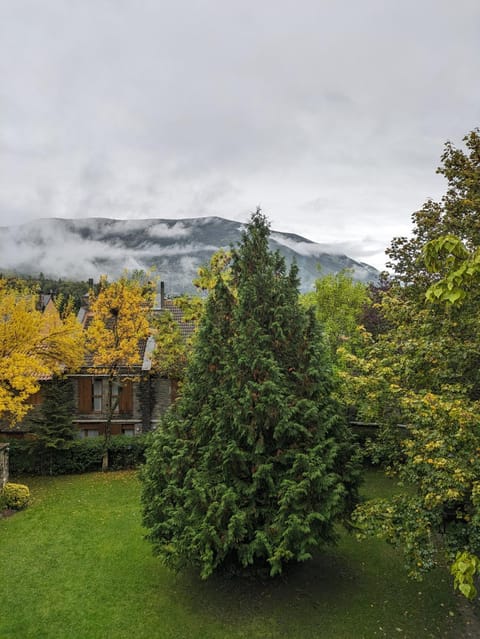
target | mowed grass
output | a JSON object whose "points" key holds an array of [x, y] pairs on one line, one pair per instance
{"points": [[75, 565]]}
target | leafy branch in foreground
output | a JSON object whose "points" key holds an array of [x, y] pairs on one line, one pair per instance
{"points": [[424, 371]]}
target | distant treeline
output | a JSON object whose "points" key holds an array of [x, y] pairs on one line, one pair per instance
{"points": [[61, 289]]}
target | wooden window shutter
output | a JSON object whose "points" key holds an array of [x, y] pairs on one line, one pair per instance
{"points": [[125, 400], [35, 399], [85, 394]]}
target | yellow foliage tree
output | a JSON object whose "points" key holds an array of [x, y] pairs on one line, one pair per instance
{"points": [[33, 346], [172, 350], [217, 269], [120, 321]]}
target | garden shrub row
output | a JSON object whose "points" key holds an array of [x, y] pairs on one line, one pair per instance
{"points": [[28, 457]]}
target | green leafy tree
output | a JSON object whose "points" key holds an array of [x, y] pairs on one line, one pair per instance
{"points": [[460, 282], [171, 349], [440, 521], [458, 214], [253, 465], [424, 372], [339, 304], [425, 347], [461, 276]]}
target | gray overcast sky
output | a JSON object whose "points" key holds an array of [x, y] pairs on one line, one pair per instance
{"points": [[330, 114]]}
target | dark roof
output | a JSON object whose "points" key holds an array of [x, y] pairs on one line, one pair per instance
{"points": [[145, 347], [186, 328]]}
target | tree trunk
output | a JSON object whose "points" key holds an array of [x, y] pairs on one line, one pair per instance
{"points": [[108, 424]]}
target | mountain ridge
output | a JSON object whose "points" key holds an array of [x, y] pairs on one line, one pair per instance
{"points": [[80, 248]]}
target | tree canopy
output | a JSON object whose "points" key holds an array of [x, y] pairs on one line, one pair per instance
{"points": [[34, 345], [119, 325], [119, 321], [457, 213], [340, 304], [423, 371]]}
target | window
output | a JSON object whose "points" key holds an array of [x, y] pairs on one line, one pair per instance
{"points": [[88, 432], [115, 390], [129, 432], [97, 395]]}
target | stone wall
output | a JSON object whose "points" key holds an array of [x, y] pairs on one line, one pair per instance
{"points": [[153, 397], [163, 398]]}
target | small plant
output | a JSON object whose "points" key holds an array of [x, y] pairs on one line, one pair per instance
{"points": [[464, 569], [15, 496]]}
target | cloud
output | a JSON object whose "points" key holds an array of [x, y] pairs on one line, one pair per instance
{"points": [[44, 246], [332, 117], [302, 247], [163, 230], [177, 249], [65, 247]]}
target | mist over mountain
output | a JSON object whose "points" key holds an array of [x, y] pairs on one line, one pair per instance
{"points": [[90, 247]]}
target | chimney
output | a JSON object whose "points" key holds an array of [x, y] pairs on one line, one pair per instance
{"points": [[162, 294]]}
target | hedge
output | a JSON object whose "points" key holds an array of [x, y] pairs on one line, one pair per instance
{"points": [[28, 457]]}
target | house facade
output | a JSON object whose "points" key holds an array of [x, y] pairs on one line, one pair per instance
{"points": [[139, 396]]}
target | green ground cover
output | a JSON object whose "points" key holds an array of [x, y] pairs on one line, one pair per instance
{"points": [[75, 565]]}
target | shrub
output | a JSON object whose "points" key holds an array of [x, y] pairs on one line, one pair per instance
{"points": [[27, 457], [126, 452], [15, 496]]}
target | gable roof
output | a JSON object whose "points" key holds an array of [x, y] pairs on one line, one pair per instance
{"points": [[146, 347], [187, 329]]}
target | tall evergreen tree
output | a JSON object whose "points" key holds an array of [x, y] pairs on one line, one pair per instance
{"points": [[52, 421], [253, 465]]}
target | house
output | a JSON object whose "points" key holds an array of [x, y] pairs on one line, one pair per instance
{"points": [[45, 304], [139, 398]]}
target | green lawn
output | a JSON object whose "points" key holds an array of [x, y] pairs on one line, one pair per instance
{"points": [[75, 565]]}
